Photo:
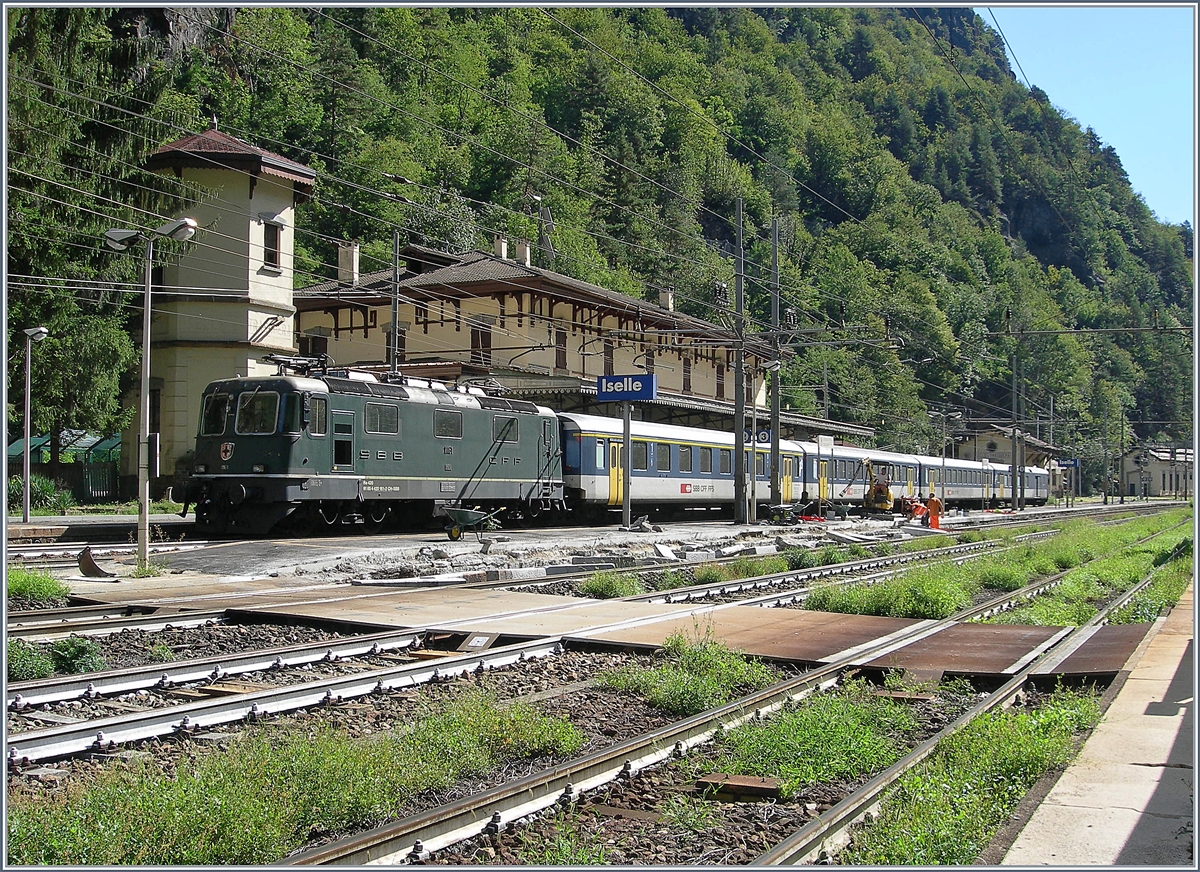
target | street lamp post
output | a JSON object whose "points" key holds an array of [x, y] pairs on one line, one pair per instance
{"points": [[119, 240], [32, 335]]}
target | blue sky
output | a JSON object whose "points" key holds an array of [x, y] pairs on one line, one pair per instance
{"points": [[1126, 72]]}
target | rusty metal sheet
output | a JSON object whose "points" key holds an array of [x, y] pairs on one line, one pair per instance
{"points": [[795, 635], [1106, 652], [971, 649]]}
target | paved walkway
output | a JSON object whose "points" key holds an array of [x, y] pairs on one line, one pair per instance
{"points": [[1128, 798]]}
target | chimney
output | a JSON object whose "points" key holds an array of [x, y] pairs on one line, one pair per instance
{"points": [[348, 264], [666, 298], [501, 246], [523, 252]]}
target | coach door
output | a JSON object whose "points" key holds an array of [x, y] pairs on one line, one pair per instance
{"points": [[343, 441], [823, 480], [616, 475], [785, 481]]}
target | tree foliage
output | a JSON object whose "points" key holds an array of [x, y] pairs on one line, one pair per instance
{"points": [[922, 189]]}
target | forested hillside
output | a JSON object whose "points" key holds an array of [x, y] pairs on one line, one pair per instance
{"points": [[928, 201]]}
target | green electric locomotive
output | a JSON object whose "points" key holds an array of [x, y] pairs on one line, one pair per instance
{"points": [[296, 452]]}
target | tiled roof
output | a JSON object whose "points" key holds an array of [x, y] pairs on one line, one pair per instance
{"points": [[215, 148]]}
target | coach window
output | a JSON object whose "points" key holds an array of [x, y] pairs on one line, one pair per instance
{"points": [[257, 413], [291, 413], [685, 458], [447, 424], [726, 461], [316, 416], [216, 410], [662, 457], [641, 455], [706, 460], [383, 419], [760, 463], [504, 429], [599, 454]]}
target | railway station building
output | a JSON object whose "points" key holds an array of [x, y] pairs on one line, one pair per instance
{"points": [[488, 317], [1157, 471]]}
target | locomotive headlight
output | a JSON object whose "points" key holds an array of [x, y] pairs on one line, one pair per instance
{"points": [[201, 468], [259, 467]]}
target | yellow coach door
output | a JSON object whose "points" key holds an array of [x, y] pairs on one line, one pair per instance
{"points": [[616, 477]]}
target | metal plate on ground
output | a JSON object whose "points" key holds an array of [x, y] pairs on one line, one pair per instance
{"points": [[795, 635], [1105, 652], [970, 649]]}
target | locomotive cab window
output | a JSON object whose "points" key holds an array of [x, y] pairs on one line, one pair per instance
{"points": [[447, 424], [216, 410], [257, 413], [383, 419], [291, 413], [316, 416], [504, 429]]}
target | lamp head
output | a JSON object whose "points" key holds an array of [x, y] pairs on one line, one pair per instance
{"points": [[37, 334], [180, 229], [119, 239]]}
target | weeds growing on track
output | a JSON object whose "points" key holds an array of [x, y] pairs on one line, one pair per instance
{"points": [[946, 811], [694, 676], [939, 591], [567, 847], [34, 588], [274, 791], [1170, 581], [71, 656], [610, 584], [828, 736]]}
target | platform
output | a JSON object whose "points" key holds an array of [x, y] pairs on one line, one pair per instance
{"points": [[1128, 797]]}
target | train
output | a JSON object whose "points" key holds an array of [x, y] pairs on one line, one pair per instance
{"points": [[315, 447]]}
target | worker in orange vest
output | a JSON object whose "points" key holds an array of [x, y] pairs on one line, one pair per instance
{"points": [[934, 505]]}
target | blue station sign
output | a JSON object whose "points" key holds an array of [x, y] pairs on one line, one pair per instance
{"points": [[617, 388]]}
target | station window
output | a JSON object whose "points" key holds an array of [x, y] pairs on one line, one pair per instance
{"points": [[726, 461], [662, 457], [641, 455], [706, 460], [685, 458], [504, 429], [216, 410], [271, 236], [383, 419], [447, 424]]}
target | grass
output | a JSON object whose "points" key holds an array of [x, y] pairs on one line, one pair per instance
{"points": [[828, 736], [35, 588], [688, 813], [274, 791], [946, 811], [691, 677], [1170, 581], [71, 656], [939, 591], [567, 846], [609, 584]]}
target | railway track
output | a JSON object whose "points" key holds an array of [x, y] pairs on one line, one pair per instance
{"points": [[417, 838], [332, 693], [75, 738]]}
